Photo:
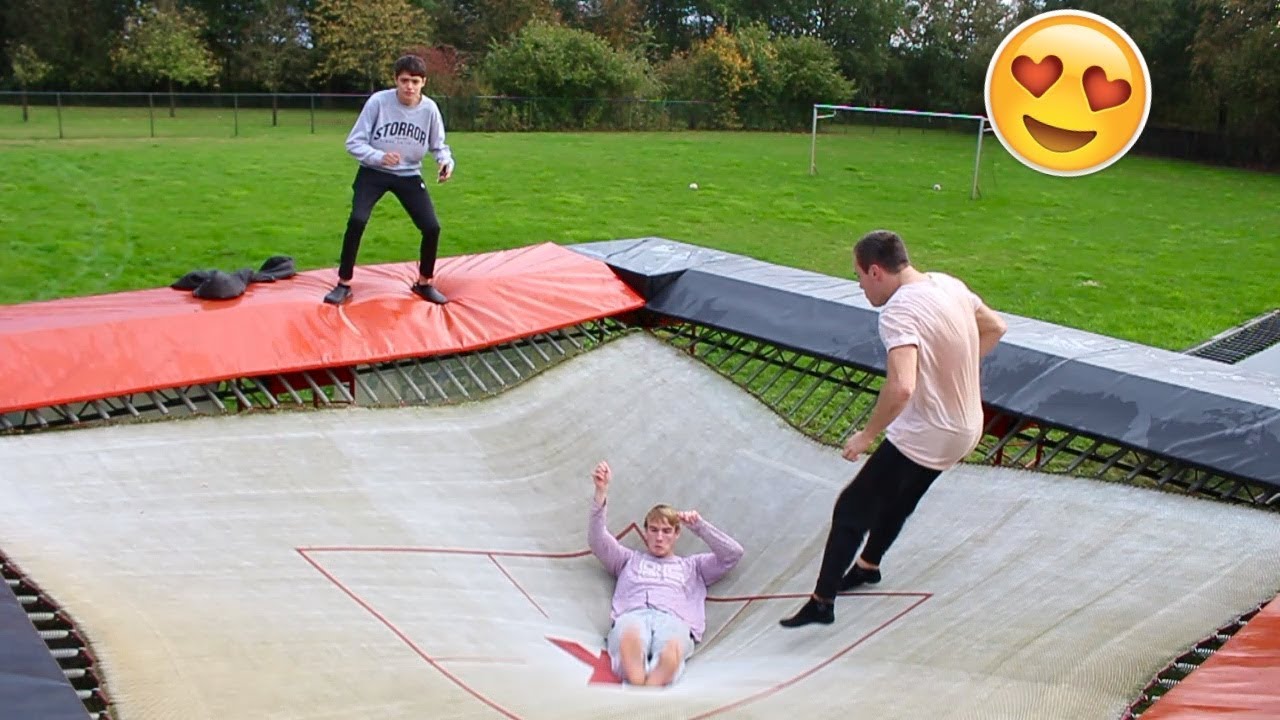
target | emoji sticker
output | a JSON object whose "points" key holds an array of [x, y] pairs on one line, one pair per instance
{"points": [[1068, 93]]}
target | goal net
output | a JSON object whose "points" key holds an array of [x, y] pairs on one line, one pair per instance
{"points": [[873, 119]]}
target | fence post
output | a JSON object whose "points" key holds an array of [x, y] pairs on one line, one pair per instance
{"points": [[235, 114], [58, 98], [151, 112]]}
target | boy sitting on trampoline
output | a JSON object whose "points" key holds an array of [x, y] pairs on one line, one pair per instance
{"points": [[659, 603]]}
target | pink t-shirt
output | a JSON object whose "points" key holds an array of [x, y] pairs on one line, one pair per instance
{"points": [[942, 422]]}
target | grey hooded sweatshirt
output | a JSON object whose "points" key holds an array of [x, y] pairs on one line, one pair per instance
{"points": [[385, 125]]}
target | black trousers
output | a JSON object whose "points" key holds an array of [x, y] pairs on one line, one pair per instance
{"points": [[369, 187], [875, 504]]}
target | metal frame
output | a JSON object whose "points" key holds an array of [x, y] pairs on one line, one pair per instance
{"points": [[823, 399], [1245, 340], [432, 380], [1183, 665], [417, 380], [828, 401], [68, 647]]}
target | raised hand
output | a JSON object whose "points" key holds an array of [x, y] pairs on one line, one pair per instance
{"points": [[689, 517], [601, 476]]}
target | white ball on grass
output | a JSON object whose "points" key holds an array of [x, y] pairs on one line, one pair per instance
{"points": [[693, 186]]}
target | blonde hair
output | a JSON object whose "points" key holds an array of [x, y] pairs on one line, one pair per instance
{"points": [[663, 512]]}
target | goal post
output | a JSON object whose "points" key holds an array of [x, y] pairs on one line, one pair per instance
{"points": [[824, 112]]}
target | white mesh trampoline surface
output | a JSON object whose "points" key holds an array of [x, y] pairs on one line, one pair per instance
{"points": [[432, 563]]}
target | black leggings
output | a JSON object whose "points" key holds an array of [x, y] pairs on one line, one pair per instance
{"points": [[878, 501], [369, 187]]}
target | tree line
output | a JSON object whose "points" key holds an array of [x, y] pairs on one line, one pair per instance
{"points": [[1213, 62]]}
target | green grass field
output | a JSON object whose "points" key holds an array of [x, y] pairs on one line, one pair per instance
{"points": [[1158, 252]]}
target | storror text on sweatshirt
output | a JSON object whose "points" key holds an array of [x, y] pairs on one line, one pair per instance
{"points": [[385, 125]]}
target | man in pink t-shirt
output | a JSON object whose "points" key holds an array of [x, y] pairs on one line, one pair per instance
{"points": [[936, 331], [659, 603]]}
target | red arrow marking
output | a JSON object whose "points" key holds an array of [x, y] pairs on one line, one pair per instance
{"points": [[601, 665]]}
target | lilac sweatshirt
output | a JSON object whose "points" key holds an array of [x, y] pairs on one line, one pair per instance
{"points": [[675, 584]]}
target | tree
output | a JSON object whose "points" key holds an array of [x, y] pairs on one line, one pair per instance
{"points": [[1236, 52], [810, 73], [858, 31], [559, 66], [715, 70], [619, 22], [944, 50], [478, 25], [668, 22], [73, 36], [448, 72], [270, 50], [1164, 31], [163, 43], [363, 38], [28, 69]]}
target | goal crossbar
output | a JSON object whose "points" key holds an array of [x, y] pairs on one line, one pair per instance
{"points": [[835, 110]]}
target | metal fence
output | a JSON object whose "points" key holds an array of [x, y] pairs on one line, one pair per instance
{"points": [[87, 115], [100, 115]]}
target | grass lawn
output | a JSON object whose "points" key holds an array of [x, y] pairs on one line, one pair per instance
{"points": [[1158, 252]]}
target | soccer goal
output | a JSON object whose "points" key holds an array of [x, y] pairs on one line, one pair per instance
{"points": [[825, 112]]}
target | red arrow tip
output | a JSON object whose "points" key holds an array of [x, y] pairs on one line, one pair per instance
{"points": [[601, 665]]}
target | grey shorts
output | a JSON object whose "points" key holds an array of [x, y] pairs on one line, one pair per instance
{"points": [[656, 628]]}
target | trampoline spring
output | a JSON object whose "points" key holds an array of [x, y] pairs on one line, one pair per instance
{"points": [[1185, 666], [1167, 682], [186, 401], [317, 393], [340, 386], [408, 381], [54, 634], [36, 617], [571, 339], [550, 339], [158, 402], [533, 343], [74, 673], [501, 354], [484, 362], [65, 653], [241, 400], [462, 362], [103, 411]]}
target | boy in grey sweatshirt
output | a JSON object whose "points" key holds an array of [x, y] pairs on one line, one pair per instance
{"points": [[390, 138]]}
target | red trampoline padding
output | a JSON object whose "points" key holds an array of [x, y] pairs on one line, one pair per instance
{"points": [[1239, 681], [78, 349]]}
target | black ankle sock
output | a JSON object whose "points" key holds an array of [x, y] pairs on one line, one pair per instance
{"points": [[858, 575], [815, 610]]}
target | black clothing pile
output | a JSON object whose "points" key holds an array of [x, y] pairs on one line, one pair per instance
{"points": [[219, 285]]}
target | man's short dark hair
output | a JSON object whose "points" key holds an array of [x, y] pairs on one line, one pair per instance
{"points": [[881, 247], [411, 64]]}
